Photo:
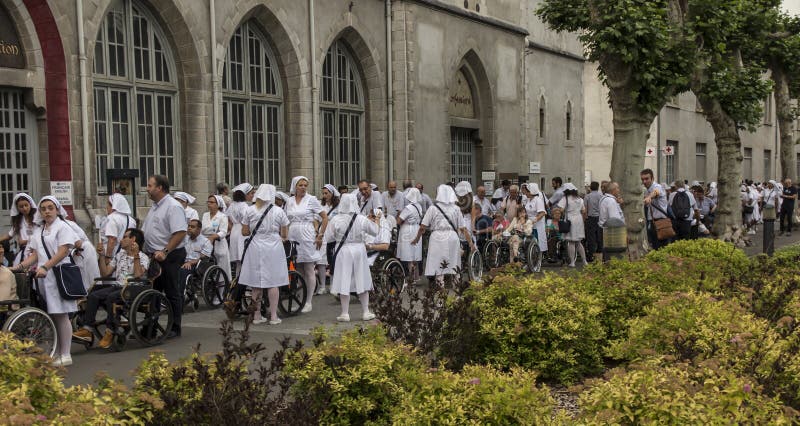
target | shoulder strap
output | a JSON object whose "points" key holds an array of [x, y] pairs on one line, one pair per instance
{"points": [[127, 223], [253, 231], [346, 234], [49, 256], [419, 212], [446, 217]]}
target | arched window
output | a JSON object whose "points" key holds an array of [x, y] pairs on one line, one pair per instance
{"points": [[569, 121], [342, 110], [251, 110], [542, 116], [135, 96]]}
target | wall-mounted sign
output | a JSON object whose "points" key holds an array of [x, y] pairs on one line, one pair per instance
{"points": [[11, 54], [534, 167], [62, 190], [460, 98], [488, 175]]}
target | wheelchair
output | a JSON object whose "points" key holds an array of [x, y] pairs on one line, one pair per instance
{"points": [[471, 263], [388, 270], [209, 281], [26, 318], [141, 312], [556, 254], [292, 297], [498, 254]]}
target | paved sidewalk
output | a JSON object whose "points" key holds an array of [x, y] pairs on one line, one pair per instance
{"points": [[757, 240]]}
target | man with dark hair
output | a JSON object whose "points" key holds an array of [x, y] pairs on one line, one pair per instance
{"points": [[164, 229], [655, 207], [367, 200], [789, 196], [558, 191], [424, 200], [594, 233]]}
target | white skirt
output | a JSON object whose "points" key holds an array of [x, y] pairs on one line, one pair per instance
{"points": [[223, 256], [303, 234], [541, 234], [237, 242], [351, 274], [443, 246], [49, 292], [266, 265], [406, 251], [87, 261]]}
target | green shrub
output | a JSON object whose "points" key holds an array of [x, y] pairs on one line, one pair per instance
{"points": [[661, 392], [33, 392], [704, 264], [546, 325], [694, 326]]}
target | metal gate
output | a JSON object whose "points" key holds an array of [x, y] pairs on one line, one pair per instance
{"points": [[18, 165], [462, 154]]}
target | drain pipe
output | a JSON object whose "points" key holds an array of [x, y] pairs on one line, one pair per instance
{"points": [[215, 94], [389, 90], [87, 168], [317, 165]]}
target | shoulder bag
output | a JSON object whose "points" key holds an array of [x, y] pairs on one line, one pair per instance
{"points": [[564, 224], [664, 229], [68, 277], [236, 289], [344, 238]]}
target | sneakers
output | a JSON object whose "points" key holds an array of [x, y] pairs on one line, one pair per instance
{"points": [[84, 335], [62, 361], [322, 290], [368, 316], [307, 308], [105, 342], [275, 321], [259, 321], [343, 318]]}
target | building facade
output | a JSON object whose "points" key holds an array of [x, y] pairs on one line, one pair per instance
{"points": [[262, 90]]}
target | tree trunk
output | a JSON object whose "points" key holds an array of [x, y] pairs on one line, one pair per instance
{"points": [[631, 131], [783, 111], [728, 218]]}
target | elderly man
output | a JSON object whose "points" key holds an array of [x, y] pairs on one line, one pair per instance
{"points": [[594, 233], [610, 207], [164, 230], [367, 200], [393, 200], [424, 200], [487, 208]]}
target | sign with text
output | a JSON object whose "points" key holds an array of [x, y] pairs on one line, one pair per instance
{"points": [[460, 98], [488, 175], [534, 167], [11, 53], [62, 190]]}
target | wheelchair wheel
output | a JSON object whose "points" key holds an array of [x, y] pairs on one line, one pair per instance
{"points": [[151, 317], [491, 254], [215, 282], [34, 325], [533, 256], [394, 275], [293, 297], [475, 266]]}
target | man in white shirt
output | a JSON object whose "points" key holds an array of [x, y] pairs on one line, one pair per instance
{"points": [[367, 200], [393, 200], [501, 193], [197, 247], [610, 205], [655, 207], [424, 201], [485, 204]]}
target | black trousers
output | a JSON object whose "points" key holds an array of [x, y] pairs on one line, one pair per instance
{"points": [[169, 282], [786, 213], [594, 236], [105, 296]]}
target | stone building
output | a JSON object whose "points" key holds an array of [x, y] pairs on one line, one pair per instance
{"points": [[261, 90]]}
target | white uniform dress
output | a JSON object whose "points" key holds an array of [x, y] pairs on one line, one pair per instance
{"points": [[384, 237], [237, 213], [191, 213], [301, 228], [116, 225], [87, 260], [56, 235], [25, 231], [264, 264], [351, 274], [533, 206], [218, 225], [574, 215], [412, 216], [444, 244]]}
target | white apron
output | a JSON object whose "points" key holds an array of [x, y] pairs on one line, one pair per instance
{"points": [[351, 274], [407, 252], [264, 264], [87, 260], [444, 244], [218, 225]]}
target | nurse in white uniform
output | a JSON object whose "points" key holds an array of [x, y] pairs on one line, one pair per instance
{"points": [[330, 203], [236, 212], [22, 212], [303, 209], [85, 255], [351, 273], [264, 264], [534, 206], [186, 199], [118, 221], [59, 238], [215, 228], [408, 220]]}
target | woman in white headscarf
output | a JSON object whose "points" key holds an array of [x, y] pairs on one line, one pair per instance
{"points": [[236, 212], [186, 199], [446, 221], [215, 228], [264, 264], [408, 220], [56, 235], [281, 198], [303, 209], [351, 272], [330, 203], [118, 221], [22, 211], [537, 212], [712, 192], [84, 254], [572, 207]]}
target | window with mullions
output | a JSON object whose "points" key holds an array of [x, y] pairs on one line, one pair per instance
{"points": [[251, 110], [135, 96], [342, 110]]}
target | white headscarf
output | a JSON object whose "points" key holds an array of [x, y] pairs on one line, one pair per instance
{"points": [[373, 187], [295, 180], [533, 188], [348, 204], [244, 187], [266, 192], [446, 195], [119, 203], [569, 187], [184, 196], [220, 202], [282, 195], [13, 210], [413, 195], [37, 218], [463, 188], [332, 189]]}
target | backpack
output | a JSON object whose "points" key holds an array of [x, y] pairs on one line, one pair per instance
{"points": [[681, 206]]}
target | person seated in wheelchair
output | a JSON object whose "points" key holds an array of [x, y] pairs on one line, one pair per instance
{"points": [[8, 286], [380, 243], [521, 228], [499, 226], [198, 249], [482, 225], [128, 264]]}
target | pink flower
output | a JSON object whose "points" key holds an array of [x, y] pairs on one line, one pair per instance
{"points": [[747, 388], [475, 381], [41, 417]]}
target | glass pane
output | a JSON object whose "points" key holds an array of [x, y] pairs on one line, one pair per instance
{"points": [[254, 56], [273, 157], [327, 77], [99, 53], [258, 140], [141, 46]]}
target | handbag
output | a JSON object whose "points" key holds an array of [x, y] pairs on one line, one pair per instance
{"points": [[748, 209], [68, 277], [564, 224], [664, 229]]}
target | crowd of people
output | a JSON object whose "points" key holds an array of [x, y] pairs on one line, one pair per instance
{"points": [[336, 238]]}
